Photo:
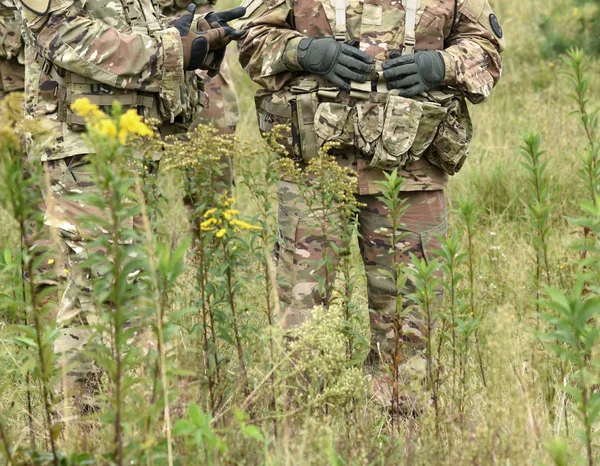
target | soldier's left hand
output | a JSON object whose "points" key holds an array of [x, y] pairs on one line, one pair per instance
{"points": [[210, 24], [413, 74], [222, 18]]}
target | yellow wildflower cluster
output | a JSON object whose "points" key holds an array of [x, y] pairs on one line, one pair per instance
{"points": [[128, 123], [84, 108], [224, 218]]}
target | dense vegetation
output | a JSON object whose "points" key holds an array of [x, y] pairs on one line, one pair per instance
{"points": [[197, 372]]}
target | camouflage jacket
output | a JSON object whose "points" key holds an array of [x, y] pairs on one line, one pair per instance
{"points": [[12, 69], [465, 31], [223, 109], [108, 48]]}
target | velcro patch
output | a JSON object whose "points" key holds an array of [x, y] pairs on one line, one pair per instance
{"points": [[496, 26], [39, 7]]}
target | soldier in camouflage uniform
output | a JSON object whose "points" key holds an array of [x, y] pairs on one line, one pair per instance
{"points": [[386, 80], [104, 51], [12, 69], [223, 111]]}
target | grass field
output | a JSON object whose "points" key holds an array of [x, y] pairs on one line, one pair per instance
{"points": [[518, 416]]}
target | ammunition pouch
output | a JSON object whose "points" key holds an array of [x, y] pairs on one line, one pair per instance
{"points": [[74, 87], [390, 130]]}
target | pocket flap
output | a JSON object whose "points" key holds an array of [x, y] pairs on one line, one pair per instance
{"points": [[433, 115], [330, 120], [402, 119], [370, 118]]}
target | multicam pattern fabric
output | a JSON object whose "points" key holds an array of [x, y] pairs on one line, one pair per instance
{"points": [[299, 254], [76, 313], [459, 29], [110, 48], [12, 70]]}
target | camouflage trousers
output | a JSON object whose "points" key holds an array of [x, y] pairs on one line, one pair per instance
{"points": [[77, 313], [299, 255]]}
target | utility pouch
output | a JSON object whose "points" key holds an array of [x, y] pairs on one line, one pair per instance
{"points": [[402, 119], [449, 148], [279, 108], [333, 123]]}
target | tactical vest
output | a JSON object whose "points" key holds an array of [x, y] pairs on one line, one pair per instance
{"points": [[390, 130], [143, 16]]}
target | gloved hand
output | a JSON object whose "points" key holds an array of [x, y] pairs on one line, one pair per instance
{"points": [[222, 18], [338, 63], [420, 72], [215, 20], [196, 46]]}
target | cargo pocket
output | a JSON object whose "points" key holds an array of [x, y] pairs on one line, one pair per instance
{"points": [[450, 146], [368, 125], [402, 117], [430, 240], [433, 115], [332, 124]]}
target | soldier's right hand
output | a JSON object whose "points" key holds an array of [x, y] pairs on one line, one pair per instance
{"points": [[196, 46], [338, 63]]}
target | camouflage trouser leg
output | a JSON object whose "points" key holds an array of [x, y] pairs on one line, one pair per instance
{"points": [[299, 250], [423, 221], [76, 312]]}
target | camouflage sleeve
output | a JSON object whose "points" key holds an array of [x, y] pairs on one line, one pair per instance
{"points": [[265, 51], [72, 40], [473, 50]]}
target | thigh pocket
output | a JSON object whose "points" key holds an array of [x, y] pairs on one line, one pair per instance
{"points": [[430, 240]]}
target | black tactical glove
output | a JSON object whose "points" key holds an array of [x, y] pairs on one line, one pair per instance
{"points": [[222, 18], [338, 63], [196, 46], [215, 20], [420, 72]]}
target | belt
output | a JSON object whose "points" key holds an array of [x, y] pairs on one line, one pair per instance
{"points": [[362, 91]]}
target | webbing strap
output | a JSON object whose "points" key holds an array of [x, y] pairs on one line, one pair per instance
{"points": [[410, 7], [306, 118], [340, 20]]}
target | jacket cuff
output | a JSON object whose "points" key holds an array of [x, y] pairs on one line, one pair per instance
{"points": [[290, 54], [450, 64]]}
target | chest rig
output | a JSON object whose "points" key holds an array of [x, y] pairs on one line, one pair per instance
{"points": [[141, 16], [374, 122]]}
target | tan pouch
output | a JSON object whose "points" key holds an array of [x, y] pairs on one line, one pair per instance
{"points": [[368, 125], [402, 118], [433, 115], [278, 108], [449, 149], [333, 123]]}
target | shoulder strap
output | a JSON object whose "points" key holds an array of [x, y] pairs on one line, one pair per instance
{"points": [[340, 20], [410, 8]]}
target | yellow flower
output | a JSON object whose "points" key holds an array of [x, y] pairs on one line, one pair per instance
{"points": [[221, 233], [131, 122], [205, 225], [107, 128], [243, 225], [84, 108], [209, 212], [50, 261], [65, 271], [229, 213]]}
